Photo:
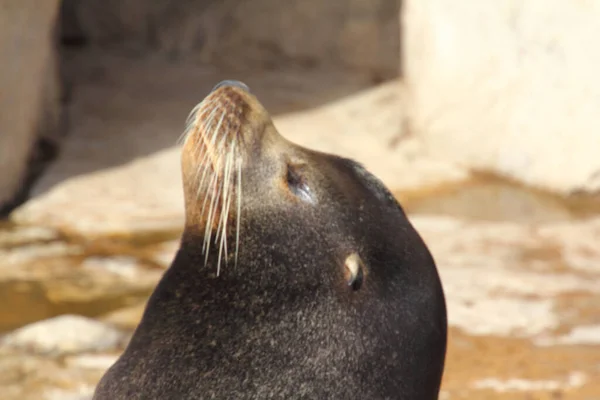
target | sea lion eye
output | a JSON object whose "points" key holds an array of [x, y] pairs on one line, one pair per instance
{"points": [[354, 271], [297, 184]]}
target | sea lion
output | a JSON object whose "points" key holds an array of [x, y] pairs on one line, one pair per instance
{"points": [[298, 276]]}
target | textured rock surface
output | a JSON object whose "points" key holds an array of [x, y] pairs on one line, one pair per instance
{"points": [[29, 98], [33, 377], [507, 86], [522, 311], [65, 334], [506, 278], [356, 33]]}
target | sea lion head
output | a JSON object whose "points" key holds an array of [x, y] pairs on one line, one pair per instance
{"points": [[312, 245], [298, 276], [249, 190]]}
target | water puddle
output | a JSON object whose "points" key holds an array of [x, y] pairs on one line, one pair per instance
{"points": [[29, 302]]}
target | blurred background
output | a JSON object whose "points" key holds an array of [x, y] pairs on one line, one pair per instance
{"points": [[482, 117]]}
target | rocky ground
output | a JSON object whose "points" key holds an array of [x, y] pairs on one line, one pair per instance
{"points": [[521, 271]]}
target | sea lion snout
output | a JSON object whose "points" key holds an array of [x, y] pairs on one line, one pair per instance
{"points": [[231, 82]]}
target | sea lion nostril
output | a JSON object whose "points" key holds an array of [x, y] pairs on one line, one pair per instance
{"points": [[232, 82]]}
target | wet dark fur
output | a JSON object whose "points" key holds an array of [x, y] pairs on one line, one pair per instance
{"points": [[283, 323]]}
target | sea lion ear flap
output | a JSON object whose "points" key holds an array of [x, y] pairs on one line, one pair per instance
{"points": [[354, 271]]}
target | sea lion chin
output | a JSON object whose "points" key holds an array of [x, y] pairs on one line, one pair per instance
{"points": [[298, 276]]}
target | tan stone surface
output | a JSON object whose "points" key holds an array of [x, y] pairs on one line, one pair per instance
{"points": [[28, 95], [507, 86], [514, 369], [29, 377], [506, 278], [65, 334]]}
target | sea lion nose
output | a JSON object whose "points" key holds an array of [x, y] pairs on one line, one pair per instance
{"points": [[232, 82]]}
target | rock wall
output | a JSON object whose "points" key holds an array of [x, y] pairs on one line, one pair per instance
{"points": [[354, 33], [29, 93], [507, 86]]}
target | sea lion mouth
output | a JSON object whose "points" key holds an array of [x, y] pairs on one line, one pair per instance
{"points": [[212, 156]]}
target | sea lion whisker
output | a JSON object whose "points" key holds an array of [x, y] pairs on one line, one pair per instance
{"points": [[210, 217], [214, 134], [217, 170], [210, 198], [205, 200], [232, 188], [225, 210], [189, 124], [213, 205], [202, 213], [202, 165], [198, 109], [211, 178], [208, 145], [214, 177], [239, 206], [193, 118], [224, 197], [203, 126]]}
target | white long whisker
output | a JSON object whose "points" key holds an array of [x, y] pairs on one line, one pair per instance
{"points": [[207, 228], [225, 210], [239, 206], [218, 174], [193, 118], [203, 163]]}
